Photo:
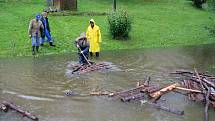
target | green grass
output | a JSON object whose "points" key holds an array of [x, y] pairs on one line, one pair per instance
{"points": [[156, 23]]}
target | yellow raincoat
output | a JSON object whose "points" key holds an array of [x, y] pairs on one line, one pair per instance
{"points": [[94, 37]]}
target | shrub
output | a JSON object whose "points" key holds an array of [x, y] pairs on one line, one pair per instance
{"points": [[211, 4], [119, 24], [198, 3], [211, 27]]}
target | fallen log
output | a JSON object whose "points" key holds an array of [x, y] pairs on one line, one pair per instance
{"points": [[157, 106], [156, 95], [127, 92], [164, 90], [132, 97], [150, 89], [19, 110]]}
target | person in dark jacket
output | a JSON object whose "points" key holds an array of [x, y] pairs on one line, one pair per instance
{"points": [[83, 48], [46, 32]]}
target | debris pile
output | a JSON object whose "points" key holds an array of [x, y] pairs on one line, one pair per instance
{"points": [[88, 68], [142, 89], [200, 87], [76, 69]]}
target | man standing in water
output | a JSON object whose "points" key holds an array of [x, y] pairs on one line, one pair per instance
{"points": [[94, 37], [34, 31], [83, 49]]}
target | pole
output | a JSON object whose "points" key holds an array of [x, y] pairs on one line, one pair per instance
{"points": [[114, 5], [84, 56]]}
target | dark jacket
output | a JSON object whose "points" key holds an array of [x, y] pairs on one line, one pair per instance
{"points": [[83, 43], [47, 23], [45, 26]]}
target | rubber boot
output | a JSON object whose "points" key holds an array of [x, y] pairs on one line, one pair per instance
{"points": [[97, 54], [91, 54], [33, 50], [51, 44], [37, 48]]}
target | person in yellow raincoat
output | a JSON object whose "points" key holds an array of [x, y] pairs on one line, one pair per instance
{"points": [[94, 37]]}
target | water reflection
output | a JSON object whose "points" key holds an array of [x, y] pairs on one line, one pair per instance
{"points": [[38, 84]]}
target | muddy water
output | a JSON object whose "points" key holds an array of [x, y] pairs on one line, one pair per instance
{"points": [[38, 84]]}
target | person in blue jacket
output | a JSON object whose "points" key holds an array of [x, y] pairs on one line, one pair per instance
{"points": [[83, 48], [46, 31]]}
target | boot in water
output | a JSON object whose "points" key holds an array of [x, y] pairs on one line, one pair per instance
{"points": [[37, 48], [33, 50]]}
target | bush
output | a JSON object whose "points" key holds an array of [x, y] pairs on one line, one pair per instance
{"points": [[119, 24], [211, 4], [211, 27], [198, 3]]}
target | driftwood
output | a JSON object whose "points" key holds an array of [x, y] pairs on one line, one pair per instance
{"points": [[128, 92], [206, 93], [19, 110], [171, 110], [100, 93], [156, 95], [201, 87], [192, 73], [80, 69], [140, 86], [167, 109], [150, 89], [192, 90], [132, 97], [207, 105]]}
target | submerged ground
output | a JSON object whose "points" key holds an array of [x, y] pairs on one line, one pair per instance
{"points": [[156, 23], [39, 85]]}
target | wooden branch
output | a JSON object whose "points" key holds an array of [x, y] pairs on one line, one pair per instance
{"points": [[207, 105], [156, 95], [99, 93], [150, 89], [164, 90], [208, 83], [19, 110], [189, 90], [191, 73], [127, 91]]}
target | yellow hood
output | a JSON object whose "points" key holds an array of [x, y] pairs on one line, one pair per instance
{"points": [[91, 20]]}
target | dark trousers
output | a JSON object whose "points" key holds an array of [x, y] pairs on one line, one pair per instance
{"points": [[82, 60]]}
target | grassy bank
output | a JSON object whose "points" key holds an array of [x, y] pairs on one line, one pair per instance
{"points": [[156, 23]]}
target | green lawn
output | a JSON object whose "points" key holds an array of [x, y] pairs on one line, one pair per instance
{"points": [[156, 23]]}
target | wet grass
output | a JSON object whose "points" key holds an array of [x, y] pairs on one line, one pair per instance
{"points": [[156, 23]]}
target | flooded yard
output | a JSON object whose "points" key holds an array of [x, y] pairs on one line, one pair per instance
{"points": [[39, 85]]}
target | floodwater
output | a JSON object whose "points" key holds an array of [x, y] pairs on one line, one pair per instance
{"points": [[39, 85]]}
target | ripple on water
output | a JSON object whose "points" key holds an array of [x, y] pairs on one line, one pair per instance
{"points": [[35, 98]]}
